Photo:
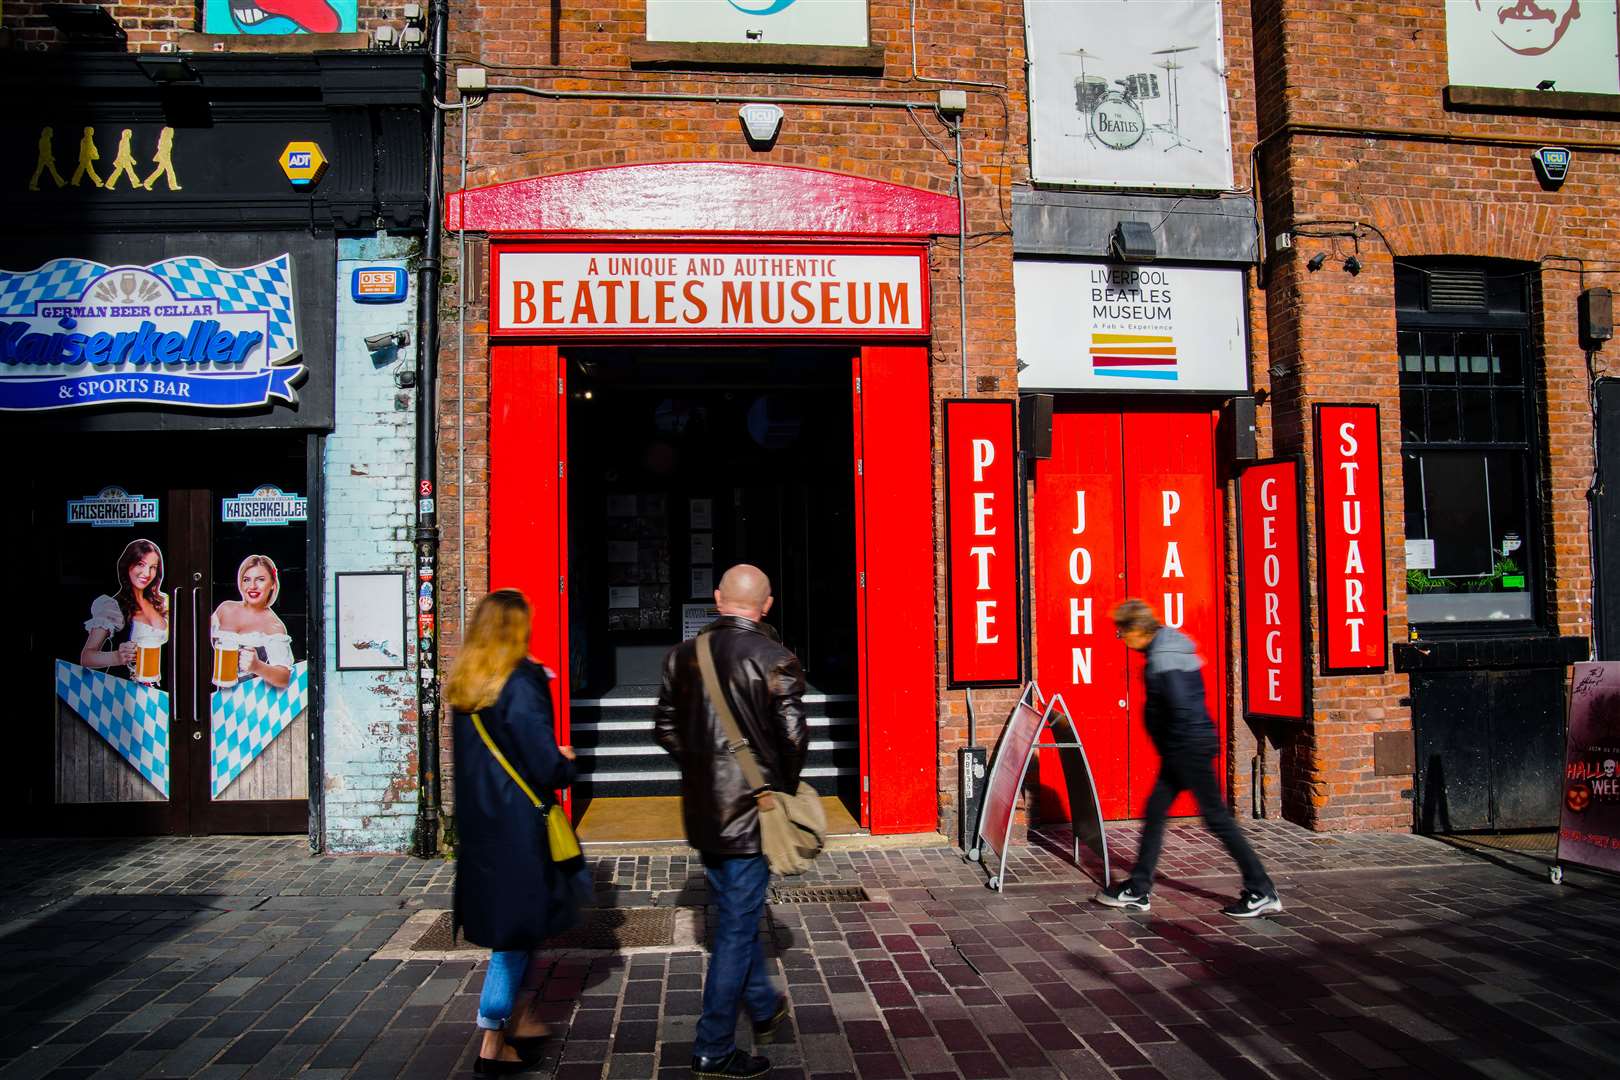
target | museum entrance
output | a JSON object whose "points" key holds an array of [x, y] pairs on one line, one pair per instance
{"points": [[684, 462]]}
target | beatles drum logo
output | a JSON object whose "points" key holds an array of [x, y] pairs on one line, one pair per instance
{"points": [[183, 332]]}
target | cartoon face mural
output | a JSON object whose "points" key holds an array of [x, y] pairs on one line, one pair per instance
{"points": [[1527, 27], [279, 16]]}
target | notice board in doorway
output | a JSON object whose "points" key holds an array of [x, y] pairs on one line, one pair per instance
{"points": [[1589, 822]]}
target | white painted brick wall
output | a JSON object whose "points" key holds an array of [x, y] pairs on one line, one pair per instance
{"points": [[370, 716]]}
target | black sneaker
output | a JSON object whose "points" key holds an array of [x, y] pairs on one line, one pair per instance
{"points": [[765, 1030], [1125, 896], [1251, 904], [734, 1065]]}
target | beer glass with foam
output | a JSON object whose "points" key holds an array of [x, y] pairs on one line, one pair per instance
{"points": [[227, 662]]}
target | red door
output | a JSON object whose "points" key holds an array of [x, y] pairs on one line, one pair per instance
{"points": [[528, 508], [1128, 505], [894, 525]]}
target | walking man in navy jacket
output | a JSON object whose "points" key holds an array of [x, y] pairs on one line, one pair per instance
{"points": [[1178, 723]]}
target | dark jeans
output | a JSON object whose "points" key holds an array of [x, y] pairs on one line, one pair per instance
{"points": [[736, 956], [1194, 772]]}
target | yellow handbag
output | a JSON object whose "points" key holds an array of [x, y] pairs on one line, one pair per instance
{"points": [[560, 834]]}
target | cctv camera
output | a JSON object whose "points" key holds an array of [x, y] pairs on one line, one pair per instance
{"points": [[394, 339]]}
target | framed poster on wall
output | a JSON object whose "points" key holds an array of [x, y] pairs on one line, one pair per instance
{"points": [[1128, 94], [1272, 588], [371, 619], [765, 22], [1350, 540], [1518, 44]]}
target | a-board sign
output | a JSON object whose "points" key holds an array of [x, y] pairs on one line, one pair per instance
{"points": [[1008, 763], [1589, 823], [1085, 809]]}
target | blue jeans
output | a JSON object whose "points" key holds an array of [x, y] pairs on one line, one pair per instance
{"points": [[736, 957], [501, 985]]}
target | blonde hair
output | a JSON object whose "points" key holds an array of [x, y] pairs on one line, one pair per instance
{"points": [[497, 639]]}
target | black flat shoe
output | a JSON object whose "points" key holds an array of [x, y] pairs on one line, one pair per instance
{"points": [[734, 1066], [484, 1066], [765, 1030], [530, 1048]]}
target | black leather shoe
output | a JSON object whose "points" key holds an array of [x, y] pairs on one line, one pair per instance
{"points": [[765, 1030], [733, 1066], [484, 1066], [530, 1048]]}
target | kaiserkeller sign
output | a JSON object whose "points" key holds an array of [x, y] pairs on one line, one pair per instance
{"points": [[1350, 538], [981, 538], [1271, 568], [665, 290]]}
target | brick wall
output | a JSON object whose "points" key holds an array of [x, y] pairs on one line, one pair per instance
{"points": [[513, 137], [370, 761], [1370, 65]]}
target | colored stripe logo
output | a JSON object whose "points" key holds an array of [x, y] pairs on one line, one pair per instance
{"points": [[1134, 356]]}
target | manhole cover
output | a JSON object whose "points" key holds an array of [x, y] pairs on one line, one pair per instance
{"points": [[819, 894], [603, 928]]}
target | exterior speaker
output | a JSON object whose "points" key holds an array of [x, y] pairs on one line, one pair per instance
{"points": [[1035, 424], [1597, 315], [1239, 414]]}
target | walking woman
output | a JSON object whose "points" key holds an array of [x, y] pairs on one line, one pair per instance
{"points": [[510, 895]]}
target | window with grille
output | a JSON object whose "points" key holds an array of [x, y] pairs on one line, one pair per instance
{"points": [[1468, 445]]}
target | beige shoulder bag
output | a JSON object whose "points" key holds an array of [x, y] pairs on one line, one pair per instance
{"points": [[793, 830]]}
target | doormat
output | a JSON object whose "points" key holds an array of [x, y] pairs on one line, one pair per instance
{"points": [[611, 929], [1541, 842], [818, 894]]}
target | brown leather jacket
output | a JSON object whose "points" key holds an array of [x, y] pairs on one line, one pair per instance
{"points": [[764, 686]]}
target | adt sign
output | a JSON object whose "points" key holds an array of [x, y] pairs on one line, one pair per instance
{"points": [[303, 163]]}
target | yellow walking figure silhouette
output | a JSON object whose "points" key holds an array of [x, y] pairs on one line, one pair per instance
{"points": [[46, 162], [124, 162], [163, 158], [88, 156]]}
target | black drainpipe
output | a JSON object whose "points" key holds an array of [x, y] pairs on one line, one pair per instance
{"points": [[425, 842]]}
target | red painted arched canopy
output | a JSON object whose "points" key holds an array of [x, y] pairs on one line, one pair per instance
{"points": [[703, 197]]}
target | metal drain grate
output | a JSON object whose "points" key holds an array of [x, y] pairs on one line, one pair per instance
{"points": [[819, 894], [603, 928]]}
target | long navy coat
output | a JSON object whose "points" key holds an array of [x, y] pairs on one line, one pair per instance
{"points": [[509, 894]]}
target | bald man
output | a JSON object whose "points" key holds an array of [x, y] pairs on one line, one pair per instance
{"points": [[764, 687]]}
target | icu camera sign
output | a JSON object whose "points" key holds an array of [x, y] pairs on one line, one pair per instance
{"points": [[183, 332], [981, 535]]}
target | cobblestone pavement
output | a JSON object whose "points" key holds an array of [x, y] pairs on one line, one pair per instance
{"points": [[1396, 956]]}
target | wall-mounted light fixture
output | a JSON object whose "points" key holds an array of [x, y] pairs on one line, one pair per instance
{"points": [[1133, 242], [1352, 266], [1314, 263], [165, 70]]}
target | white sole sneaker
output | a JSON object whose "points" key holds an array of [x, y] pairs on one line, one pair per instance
{"points": [[1271, 905], [1143, 904]]}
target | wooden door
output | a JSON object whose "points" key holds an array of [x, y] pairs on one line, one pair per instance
{"points": [[1128, 505]]}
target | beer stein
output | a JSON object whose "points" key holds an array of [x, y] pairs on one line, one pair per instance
{"points": [[226, 664], [148, 663]]}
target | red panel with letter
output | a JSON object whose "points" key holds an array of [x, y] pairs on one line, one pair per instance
{"points": [[1271, 561], [981, 531], [1152, 529], [1350, 532]]}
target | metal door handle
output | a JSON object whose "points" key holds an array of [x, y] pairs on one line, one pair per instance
{"points": [[194, 661], [174, 644]]}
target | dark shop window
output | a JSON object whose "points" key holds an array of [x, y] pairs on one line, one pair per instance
{"points": [[1467, 451]]}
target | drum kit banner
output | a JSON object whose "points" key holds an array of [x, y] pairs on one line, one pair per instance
{"points": [[1129, 94]]}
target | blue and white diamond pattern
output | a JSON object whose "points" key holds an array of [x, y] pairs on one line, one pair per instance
{"points": [[131, 716], [248, 717], [59, 279], [266, 287]]}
